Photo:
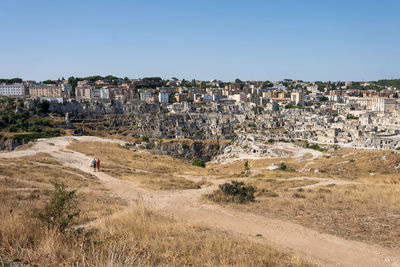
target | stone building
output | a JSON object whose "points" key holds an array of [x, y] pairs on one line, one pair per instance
{"points": [[50, 91]]}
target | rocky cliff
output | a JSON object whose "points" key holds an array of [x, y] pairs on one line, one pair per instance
{"points": [[10, 144], [186, 149]]}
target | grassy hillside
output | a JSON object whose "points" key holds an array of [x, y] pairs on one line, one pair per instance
{"points": [[107, 232]]}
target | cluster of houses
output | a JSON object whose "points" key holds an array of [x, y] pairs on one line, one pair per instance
{"points": [[296, 93], [333, 114]]}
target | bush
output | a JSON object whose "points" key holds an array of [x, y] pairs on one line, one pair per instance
{"points": [[238, 191], [43, 107], [80, 131], [13, 129], [246, 166], [283, 167], [199, 163], [34, 128], [315, 147], [34, 136], [145, 138], [61, 210]]}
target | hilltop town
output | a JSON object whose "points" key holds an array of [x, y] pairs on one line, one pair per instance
{"points": [[347, 114]]}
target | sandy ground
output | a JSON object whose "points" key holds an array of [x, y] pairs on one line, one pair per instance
{"points": [[318, 248]]}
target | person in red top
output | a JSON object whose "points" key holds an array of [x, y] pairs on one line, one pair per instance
{"points": [[98, 165]]}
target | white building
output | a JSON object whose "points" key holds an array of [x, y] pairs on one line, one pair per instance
{"points": [[163, 96], [16, 89], [239, 98], [100, 93], [381, 104]]}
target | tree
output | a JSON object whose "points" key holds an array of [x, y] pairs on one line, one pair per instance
{"points": [[49, 82], [172, 97], [238, 80], [61, 210], [323, 99], [267, 84], [11, 81]]}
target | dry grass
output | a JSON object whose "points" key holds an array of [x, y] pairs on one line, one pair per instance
{"points": [[24, 184], [138, 237], [260, 165], [369, 213], [142, 168], [31, 173], [274, 187], [374, 166], [41, 157]]}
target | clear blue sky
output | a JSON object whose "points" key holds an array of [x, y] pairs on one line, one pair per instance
{"points": [[203, 39]]}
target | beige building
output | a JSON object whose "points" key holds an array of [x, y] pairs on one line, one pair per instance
{"points": [[378, 104], [297, 98], [83, 92], [147, 96], [50, 91]]}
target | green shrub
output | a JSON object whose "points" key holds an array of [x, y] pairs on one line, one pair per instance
{"points": [[61, 209], [43, 107], [199, 163], [80, 131], [13, 129], [145, 138], [34, 136], [40, 122], [238, 191], [283, 167], [246, 166], [315, 147], [351, 117], [34, 128]]}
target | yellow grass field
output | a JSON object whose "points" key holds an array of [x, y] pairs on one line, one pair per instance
{"points": [[112, 233]]}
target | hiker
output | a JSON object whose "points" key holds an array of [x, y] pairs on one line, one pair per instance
{"points": [[94, 164], [98, 165]]}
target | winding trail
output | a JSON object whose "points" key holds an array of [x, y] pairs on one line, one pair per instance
{"points": [[318, 248]]}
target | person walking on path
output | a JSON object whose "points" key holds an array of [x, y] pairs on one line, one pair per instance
{"points": [[98, 165], [94, 164]]}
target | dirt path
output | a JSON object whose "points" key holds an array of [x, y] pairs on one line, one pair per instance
{"points": [[322, 249]]}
